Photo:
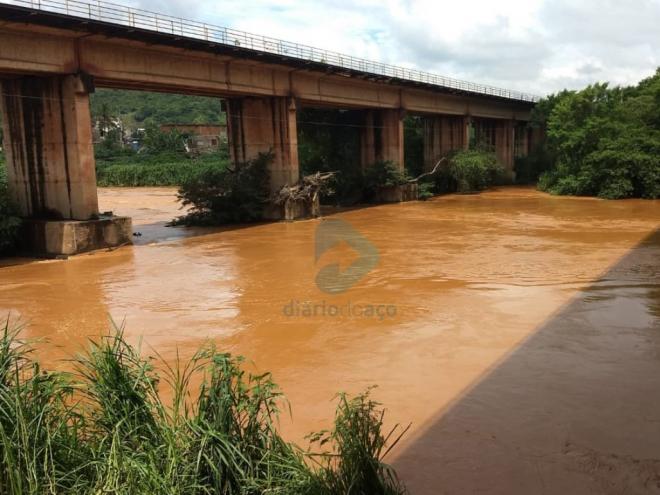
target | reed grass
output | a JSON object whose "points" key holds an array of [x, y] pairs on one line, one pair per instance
{"points": [[105, 428]]}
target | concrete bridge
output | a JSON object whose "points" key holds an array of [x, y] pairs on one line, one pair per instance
{"points": [[54, 53]]}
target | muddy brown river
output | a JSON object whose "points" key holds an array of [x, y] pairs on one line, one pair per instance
{"points": [[520, 335]]}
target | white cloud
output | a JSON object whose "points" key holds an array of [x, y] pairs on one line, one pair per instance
{"points": [[536, 46]]}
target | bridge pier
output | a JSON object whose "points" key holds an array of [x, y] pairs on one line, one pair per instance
{"points": [[50, 165], [504, 146], [382, 137], [261, 125], [442, 135], [267, 124]]}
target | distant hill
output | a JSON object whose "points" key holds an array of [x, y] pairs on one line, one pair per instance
{"points": [[139, 108]]}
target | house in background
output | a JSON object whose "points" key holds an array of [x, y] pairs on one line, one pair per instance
{"points": [[203, 137]]}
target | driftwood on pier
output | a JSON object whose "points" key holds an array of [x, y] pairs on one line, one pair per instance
{"points": [[304, 197]]}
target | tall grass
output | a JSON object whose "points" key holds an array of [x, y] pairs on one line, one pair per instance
{"points": [[161, 169], [105, 428]]}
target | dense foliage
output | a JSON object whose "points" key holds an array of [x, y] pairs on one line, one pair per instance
{"points": [[471, 170], [603, 141], [9, 221], [107, 429], [382, 175], [227, 195], [140, 108]]}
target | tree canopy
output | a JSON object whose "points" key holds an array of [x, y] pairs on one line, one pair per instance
{"points": [[603, 141]]}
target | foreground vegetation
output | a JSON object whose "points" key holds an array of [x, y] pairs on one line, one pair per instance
{"points": [[106, 429], [600, 141]]}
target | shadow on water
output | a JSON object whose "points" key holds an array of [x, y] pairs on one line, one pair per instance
{"points": [[143, 234], [574, 409]]}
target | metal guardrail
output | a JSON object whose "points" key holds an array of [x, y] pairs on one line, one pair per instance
{"points": [[98, 10]]}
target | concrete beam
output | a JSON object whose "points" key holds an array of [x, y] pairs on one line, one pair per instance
{"points": [[48, 142], [122, 63]]}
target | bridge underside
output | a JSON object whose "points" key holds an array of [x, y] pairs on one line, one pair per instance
{"points": [[46, 75]]}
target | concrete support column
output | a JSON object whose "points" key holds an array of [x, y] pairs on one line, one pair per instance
{"points": [[442, 135], [48, 144], [504, 144], [521, 141], [261, 125], [382, 137], [466, 126]]}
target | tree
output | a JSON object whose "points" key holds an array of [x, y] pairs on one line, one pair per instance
{"points": [[604, 141]]}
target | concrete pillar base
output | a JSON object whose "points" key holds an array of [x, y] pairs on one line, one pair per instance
{"points": [[398, 194], [293, 210], [52, 238]]}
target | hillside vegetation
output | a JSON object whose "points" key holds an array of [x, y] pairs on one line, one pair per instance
{"points": [[137, 109]]}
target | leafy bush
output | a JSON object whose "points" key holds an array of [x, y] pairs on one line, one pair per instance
{"points": [[10, 222], [425, 191], [107, 429], [380, 175], [529, 168], [473, 170], [157, 141], [218, 196]]}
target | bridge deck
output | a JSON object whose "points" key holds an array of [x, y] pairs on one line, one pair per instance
{"points": [[126, 22]]}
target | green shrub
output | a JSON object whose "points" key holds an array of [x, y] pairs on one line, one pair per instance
{"points": [[380, 175], [157, 141], [473, 170], [529, 168], [107, 429], [219, 196], [10, 222], [425, 191]]}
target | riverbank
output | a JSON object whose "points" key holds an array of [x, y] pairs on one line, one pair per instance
{"points": [[473, 279]]}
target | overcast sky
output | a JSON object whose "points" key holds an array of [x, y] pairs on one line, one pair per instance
{"points": [[537, 46]]}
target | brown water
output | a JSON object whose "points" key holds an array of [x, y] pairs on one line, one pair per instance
{"points": [[525, 348]]}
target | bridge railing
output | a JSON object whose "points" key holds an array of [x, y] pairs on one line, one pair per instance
{"points": [[98, 10]]}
